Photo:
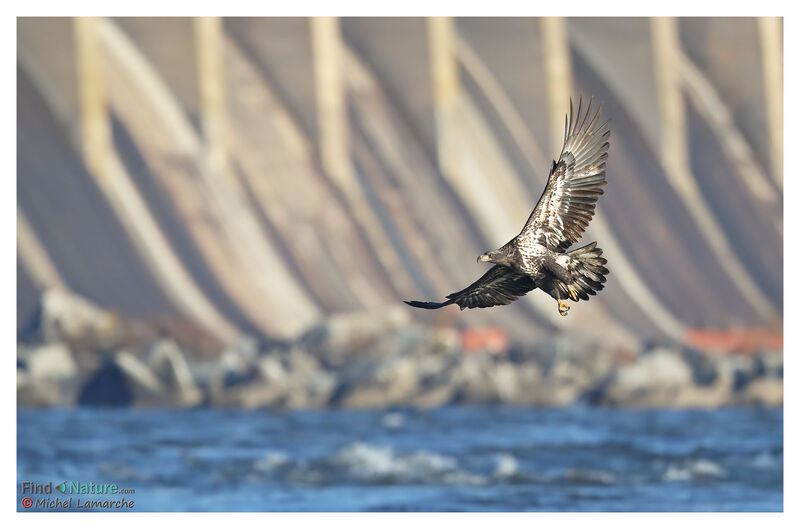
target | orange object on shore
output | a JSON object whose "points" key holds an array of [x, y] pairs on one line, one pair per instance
{"points": [[736, 340], [491, 339]]}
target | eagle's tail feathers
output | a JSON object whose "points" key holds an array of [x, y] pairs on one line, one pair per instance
{"points": [[588, 272]]}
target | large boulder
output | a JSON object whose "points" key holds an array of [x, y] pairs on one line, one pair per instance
{"points": [[337, 339], [506, 380], [255, 394], [765, 391], [656, 379], [770, 363], [51, 361], [69, 318], [472, 380], [529, 380], [36, 393], [313, 391], [380, 384], [85, 328], [47, 375], [301, 363], [434, 396], [434, 370], [168, 363], [561, 381], [708, 396], [237, 366], [110, 386]]}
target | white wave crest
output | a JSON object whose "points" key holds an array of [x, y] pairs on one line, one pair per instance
{"points": [[701, 469], [590, 477], [393, 421], [505, 466], [271, 461], [376, 464]]}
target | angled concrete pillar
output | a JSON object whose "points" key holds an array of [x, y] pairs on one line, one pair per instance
{"points": [[673, 142], [558, 75], [331, 101], [35, 258], [95, 137], [209, 48], [446, 88], [770, 30]]}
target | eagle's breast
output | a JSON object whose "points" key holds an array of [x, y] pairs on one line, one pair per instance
{"points": [[531, 255]]}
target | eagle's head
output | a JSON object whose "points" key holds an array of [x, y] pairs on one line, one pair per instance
{"points": [[499, 256]]}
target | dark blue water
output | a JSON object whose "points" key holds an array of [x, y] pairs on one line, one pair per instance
{"points": [[459, 458]]}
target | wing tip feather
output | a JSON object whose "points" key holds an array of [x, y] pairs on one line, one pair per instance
{"points": [[428, 304]]}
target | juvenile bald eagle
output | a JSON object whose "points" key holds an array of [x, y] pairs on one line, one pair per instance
{"points": [[538, 256]]}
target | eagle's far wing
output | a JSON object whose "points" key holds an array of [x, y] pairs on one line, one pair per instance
{"points": [[499, 286], [574, 185]]}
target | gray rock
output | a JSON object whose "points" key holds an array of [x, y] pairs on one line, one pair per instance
{"points": [[704, 369], [237, 366], [241, 357], [765, 391], [272, 370], [435, 396], [570, 373], [67, 317], [529, 379], [47, 376], [51, 361], [434, 371], [146, 387], [335, 340], [243, 351], [169, 364], [257, 394], [472, 380], [301, 363], [505, 377], [655, 380], [771, 363], [314, 391], [390, 383], [36, 392], [550, 393], [108, 386]]}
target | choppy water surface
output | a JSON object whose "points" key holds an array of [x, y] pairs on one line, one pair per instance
{"points": [[459, 458]]}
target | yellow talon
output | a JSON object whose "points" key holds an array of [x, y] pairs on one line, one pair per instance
{"points": [[562, 308], [572, 293]]}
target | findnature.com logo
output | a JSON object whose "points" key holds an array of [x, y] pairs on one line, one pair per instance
{"points": [[76, 488]]}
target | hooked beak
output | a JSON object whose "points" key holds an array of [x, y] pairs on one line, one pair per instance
{"points": [[484, 258]]}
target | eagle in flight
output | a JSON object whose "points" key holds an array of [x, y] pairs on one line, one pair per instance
{"points": [[538, 256]]}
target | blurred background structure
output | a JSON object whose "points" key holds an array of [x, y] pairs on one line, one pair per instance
{"points": [[227, 213], [255, 175]]}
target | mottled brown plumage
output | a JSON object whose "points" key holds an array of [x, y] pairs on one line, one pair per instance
{"points": [[538, 256]]}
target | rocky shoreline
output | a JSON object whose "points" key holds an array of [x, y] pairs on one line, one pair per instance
{"points": [[78, 354]]}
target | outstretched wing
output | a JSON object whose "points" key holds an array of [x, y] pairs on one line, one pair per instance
{"points": [[574, 185], [499, 286]]}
